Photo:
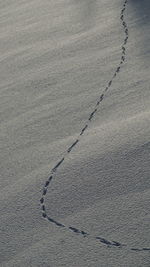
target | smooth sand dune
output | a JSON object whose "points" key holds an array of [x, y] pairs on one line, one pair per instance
{"points": [[56, 60]]}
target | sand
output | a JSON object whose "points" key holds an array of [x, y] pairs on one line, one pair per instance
{"points": [[57, 59]]}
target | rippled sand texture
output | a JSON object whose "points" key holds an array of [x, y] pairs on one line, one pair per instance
{"points": [[74, 133]]}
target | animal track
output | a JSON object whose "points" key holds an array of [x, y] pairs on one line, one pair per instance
{"points": [[57, 165], [71, 147], [82, 233], [83, 130]]}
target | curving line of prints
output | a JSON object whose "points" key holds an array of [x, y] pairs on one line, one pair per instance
{"points": [[102, 240]]}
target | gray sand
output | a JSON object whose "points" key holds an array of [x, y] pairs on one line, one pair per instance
{"points": [[57, 58]]}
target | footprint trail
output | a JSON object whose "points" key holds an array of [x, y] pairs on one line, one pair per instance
{"points": [[100, 239]]}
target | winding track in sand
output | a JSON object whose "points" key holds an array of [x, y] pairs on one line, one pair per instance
{"points": [[104, 241]]}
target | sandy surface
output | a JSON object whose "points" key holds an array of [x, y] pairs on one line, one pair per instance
{"points": [[56, 59]]}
